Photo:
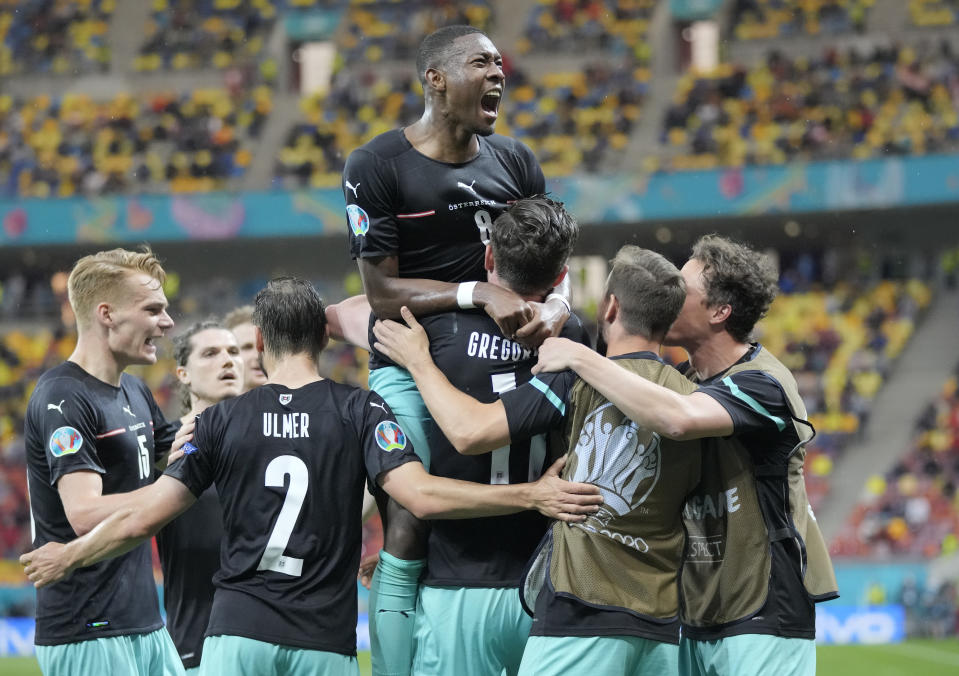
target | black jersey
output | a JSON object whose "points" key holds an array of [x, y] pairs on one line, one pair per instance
{"points": [[477, 359], [189, 548], [76, 422], [289, 467], [433, 216]]}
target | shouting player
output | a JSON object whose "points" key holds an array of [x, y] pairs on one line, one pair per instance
{"points": [[420, 204]]}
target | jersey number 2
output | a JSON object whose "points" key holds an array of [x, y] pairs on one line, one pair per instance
{"points": [[276, 473]]}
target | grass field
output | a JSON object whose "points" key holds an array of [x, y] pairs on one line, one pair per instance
{"points": [[925, 657]]}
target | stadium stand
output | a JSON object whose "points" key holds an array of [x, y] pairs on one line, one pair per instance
{"points": [[925, 13], [913, 509], [764, 19], [72, 144], [845, 104], [616, 26], [61, 37]]}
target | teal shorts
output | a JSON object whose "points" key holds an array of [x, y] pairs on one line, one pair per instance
{"points": [[150, 654], [599, 655], [398, 390], [240, 656], [755, 654], [468, 631]]}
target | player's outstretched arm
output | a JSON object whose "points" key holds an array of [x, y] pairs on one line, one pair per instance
{"points": [[146, 511], [674, 415], [409, 347], [388, 292], [432, 497], [349, 321]]}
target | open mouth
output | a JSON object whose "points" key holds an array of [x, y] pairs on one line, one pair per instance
{"points": [[228, 375], [490, 102]]}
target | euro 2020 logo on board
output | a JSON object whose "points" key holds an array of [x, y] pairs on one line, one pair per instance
{"points": [[390, 436], [359, 220], [64, 441]]}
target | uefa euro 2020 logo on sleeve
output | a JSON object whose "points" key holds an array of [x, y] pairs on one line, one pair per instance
{"points": [[623, 461], [64, 441], [359, 219], [390, 436]]}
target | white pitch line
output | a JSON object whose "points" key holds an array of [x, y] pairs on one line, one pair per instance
{"points": [[926, 653]]}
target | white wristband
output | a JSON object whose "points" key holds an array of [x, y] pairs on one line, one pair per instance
{"points": [[464, 295], [562, 299]]}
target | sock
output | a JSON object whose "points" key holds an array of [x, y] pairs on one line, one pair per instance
{"points": [[392, 611]]}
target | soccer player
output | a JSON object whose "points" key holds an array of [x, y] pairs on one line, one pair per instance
{"points": [[756, 563], [209, 370], [93, 433], [604, 592], [289, 461], [420, 205], [240, 322]]}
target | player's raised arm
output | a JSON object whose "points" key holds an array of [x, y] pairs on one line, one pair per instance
{"points": [[432, 497], [409, 347], [146, 511]]}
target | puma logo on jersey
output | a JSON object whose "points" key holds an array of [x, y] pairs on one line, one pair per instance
{"points": [[460, 184], [354, 188], [56, 407], [379, 405], [127, 409]]}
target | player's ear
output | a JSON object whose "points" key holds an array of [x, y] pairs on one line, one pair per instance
{"points": [[435, 79], [326, 337], [488, 261], [720, 313], [182, 375], [258, 339], [610, 309], [562, 276], [104, 313]]}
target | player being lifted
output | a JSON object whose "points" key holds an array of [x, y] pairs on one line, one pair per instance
{"points": [[300, 445], [604, 593], [209, 370], [420, 204], [757, 562], [93, 433]]}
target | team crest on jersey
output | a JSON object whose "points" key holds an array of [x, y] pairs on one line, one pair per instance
{"points": [[286, 399], [64, 441], [390, 436], [359, 220]]}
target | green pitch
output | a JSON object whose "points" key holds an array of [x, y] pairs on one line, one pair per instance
{"points": [[918, 656]]}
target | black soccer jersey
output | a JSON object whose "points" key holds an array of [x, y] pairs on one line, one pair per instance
{"points": [[189, 548], [434, 216], [289, 467], [492, 551], [77, 422]]}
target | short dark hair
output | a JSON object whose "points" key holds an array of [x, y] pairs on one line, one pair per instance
{"points": [[290, 314], [532, 241], [183, 348], [738, 276], [435, 49], [650, 291]]}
